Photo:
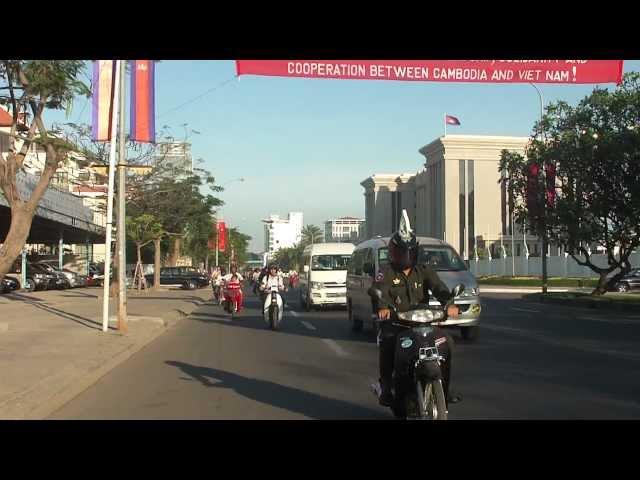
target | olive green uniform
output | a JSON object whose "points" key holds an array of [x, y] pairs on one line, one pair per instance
{"points": [[405, 292]]}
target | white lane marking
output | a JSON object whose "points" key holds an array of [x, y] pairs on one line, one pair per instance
{"points": [[294, 313], [335, 347], [613, 320], [308, 325], [525, 310]]}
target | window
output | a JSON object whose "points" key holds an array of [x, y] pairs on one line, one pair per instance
{"points": [[462, 206], [518, 250], [357, 259], [440, 258], [471, 201], [330, 262]]}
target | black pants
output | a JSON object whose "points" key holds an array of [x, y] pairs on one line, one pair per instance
{"points": [[388, 334]]}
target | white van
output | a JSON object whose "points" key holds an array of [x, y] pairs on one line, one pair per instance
{"points": [[371, 256], [324, 277]]}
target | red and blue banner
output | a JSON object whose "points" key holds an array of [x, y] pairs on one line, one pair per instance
{"points": [[143, 122], [104, 76]]}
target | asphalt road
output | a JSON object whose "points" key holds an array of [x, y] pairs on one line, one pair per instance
{"points": [[531, 361]]}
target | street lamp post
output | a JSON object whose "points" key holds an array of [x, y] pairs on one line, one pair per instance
{"points": [[544, 201]]}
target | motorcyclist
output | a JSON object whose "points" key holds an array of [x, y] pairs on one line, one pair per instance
{"points": [[234, 277], [270, 279], [404, 284]]}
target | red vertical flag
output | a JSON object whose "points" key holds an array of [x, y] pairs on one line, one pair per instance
{"points": [[143, 115], [222, 236]]}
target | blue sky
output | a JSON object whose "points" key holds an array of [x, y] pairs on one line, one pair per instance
{"points": [[306, 144]]}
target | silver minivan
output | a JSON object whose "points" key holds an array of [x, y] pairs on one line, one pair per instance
{"points": [[372, 255]]}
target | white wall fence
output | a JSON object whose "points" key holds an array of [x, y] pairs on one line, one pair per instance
{"points": [[557, 266]]}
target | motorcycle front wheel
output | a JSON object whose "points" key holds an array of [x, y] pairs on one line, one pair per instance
{"points": [[431, 401], [273, 318]]}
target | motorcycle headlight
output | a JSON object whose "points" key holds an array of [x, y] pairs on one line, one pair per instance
{"points": [[317, 285], [421, 316]]}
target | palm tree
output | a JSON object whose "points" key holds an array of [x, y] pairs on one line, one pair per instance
{"points": [[311, 234]]}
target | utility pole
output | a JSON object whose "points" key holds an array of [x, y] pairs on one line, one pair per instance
{"points": [[544, 201], [122, 167], [109, 222]]}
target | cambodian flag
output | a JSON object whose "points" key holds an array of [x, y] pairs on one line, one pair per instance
{"points": [[450, 120], [104, 72], [142, 126]]}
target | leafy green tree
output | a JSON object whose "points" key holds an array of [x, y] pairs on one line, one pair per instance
{"points": [[594, 148], [31, 87], [143, 230], [311, 234]]}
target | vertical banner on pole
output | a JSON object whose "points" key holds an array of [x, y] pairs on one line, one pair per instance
{"points": [[103, 82], [143, 101], [222, 236]]}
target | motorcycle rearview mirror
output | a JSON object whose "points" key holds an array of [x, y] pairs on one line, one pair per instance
{"points": [[457, 290], [375, 292]]}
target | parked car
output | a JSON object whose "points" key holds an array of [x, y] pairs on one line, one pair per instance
{"points": [[11, 284], [371, 256], [4, 287], [61, 282], [631, 281], [38, 278], [187, 277]]}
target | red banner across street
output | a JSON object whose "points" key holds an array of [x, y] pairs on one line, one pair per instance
{"points": [[470, 71]]}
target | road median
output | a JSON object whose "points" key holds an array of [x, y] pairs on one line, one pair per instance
{"points": [[628, 303]]}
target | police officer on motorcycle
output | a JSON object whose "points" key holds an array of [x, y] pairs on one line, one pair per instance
{"points": [[404, 284]]}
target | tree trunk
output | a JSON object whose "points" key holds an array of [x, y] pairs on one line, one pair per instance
{"points": [[21, 219], [156, 264], [139, 265], [114, 288], [601, 288], [175, 251]]}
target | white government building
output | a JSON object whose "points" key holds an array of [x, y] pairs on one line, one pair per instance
{"points": [[282, 232], [344, 229], [456, 196]]}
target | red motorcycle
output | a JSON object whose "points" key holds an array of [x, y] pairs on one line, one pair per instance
{"points": [[232, 297]]}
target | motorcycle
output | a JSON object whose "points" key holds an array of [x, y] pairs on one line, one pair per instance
{"points": [[417, 387], [273, 308], [232, 294]]}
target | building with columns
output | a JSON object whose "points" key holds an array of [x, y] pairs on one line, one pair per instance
{"points": [[456, 197]]}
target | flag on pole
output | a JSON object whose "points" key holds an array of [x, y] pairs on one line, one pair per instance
{"points": [[104, 72], [451, 120], [143, 101], [222, 236]]}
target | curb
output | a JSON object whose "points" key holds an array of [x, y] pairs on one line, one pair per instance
{"points": [[603, 304], [76, 386]]}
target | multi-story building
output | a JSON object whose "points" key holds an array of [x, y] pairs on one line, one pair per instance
{"points": [[174, 157], [67, 218], [282, 233], [344, 229], [457, 196]]}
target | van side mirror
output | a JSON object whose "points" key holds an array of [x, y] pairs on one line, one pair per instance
{"points": [[306, 269], [457, 290], [375, 293]]}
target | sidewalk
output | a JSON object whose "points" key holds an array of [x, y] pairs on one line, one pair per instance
{"points": [[52, 346]]}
